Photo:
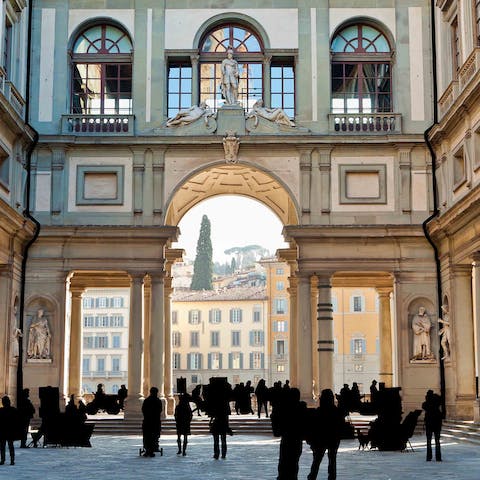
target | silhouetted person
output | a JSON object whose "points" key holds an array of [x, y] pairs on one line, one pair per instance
{"points": [[248, 397], [9, 429], [151, 425], [237, 393], [122, 394], [71, 409], [275, 395], [26, 410], [356, 398], [345, 399], [324, 429], [286, 385], [373, 393], [433, 423], [291, 416], [218, 408], [196, 398], [183, 419], [261, 392]]}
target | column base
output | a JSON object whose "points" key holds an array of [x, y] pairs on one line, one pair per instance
{"points": [[133, 407], [476, 411], [170, 401]]}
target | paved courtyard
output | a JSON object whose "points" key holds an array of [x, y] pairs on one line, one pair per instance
{"points": [[249, 457]]}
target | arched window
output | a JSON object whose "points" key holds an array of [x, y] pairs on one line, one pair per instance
{"points": [[361, 71], [247, 51], [102, 72]]}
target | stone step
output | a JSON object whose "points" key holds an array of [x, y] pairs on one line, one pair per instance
{"points": [[461, 430]]}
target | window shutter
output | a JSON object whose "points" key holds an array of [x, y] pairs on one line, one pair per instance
{"points": [[262, 357], [209, 361], [189, 316], [240, 314], [352, 346], [231, 316], [241, 360], [189, 360], [262, 338], [252, 338], [200, 358], [210, 316], [364, 346], [199, 316], [230, 361], [220, 360], [251, 360]]}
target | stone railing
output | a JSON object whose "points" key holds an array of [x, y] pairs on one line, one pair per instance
{"points": [[12, 95], [76, 124], [456, 87], [351, 123]]}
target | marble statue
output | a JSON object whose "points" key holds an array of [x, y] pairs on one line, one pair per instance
{"points": [[16, 333], [230, 75], [276, 115], [39, 337], [189, 115], [445, 333], [421, 326]]}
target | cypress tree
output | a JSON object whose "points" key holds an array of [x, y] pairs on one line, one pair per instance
{"points": [[202, 268]]}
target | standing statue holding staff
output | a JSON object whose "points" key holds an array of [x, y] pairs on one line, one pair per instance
{"points": [[230, 75], [39, 337], [421, 326], [445, 333]]}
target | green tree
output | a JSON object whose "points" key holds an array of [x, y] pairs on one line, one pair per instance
{"points": [[202, 267]]}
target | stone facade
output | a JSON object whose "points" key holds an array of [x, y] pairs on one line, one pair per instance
{"points": [[351, 181]]}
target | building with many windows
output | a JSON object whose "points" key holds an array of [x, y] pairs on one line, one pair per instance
{"points": [[105, 319], [221, 333]]}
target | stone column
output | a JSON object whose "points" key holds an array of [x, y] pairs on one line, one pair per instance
{"points": [[476, 316], [385, 336], [292, 348], [158, 171], [147, 299], [58, 164], [74, 369], [405, 164], [267, 91], [195, 80], [313, 312], [133, 404], [157, 334], [325, 332], [168, 346], [461, 318], [305, 170], [304, 336], [138, 173]]}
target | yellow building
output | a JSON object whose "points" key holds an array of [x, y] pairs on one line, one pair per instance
{"points": [[219, 333]]}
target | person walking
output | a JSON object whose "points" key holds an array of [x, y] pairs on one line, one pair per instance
{"points": [[151, 425], [324, 433], [433, 423], [183, 418], [26, 410], [9, 429]]}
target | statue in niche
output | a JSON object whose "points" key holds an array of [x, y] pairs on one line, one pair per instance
{"points": [[16, 333], [445, 333], [190, 115], [39, 337], [230, 75], [421, 326], [275, 115]]}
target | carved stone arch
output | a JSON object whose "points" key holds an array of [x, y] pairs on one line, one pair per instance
{"points": [[231, 17], [232, 179]]}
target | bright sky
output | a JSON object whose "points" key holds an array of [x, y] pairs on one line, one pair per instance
{"points": [[235, 222]]}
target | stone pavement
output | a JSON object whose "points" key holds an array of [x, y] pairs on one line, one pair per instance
{"points": [[248, 457]]}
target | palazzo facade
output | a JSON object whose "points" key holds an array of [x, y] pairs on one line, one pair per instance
{"points": [[337, 151]]}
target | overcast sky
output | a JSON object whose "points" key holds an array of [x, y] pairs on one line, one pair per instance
{"points": [[236, 222]]}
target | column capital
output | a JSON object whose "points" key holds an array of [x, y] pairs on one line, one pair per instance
{"points": [[476, 259], [77, 291], [136, 277], [384, 291], [157, 277], [460, 270]]}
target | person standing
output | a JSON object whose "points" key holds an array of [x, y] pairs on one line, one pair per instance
{"points": [[261, 392], [122, 394], [9, 429], [324, 433], [151, 425], [433, 423], [183, 418], [26, 410]]}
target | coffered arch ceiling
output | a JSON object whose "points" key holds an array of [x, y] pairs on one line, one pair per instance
{"points": [[232, 180]]}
